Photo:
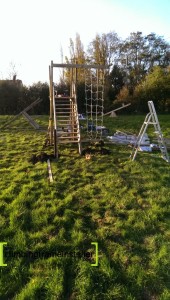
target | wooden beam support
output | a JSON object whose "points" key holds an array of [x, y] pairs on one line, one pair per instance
{"points": [[23, 112], [51, 121], [79, 66], [30, 120]]}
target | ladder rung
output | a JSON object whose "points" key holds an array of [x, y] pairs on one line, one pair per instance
{"points": [[63, 108], [65, 105], [66, 128], [68, 142], [67, 134], [61, 111], [152, 123], [66, 112], [157, 132], [67, 137], [67, 118], [65, 123], [64, 98], [62, 131]]}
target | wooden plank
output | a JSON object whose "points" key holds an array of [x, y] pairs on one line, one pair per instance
{"points": [[22, 112], [30, 120], [32, 104], [123, 106], [79, 66], [49, 171]]}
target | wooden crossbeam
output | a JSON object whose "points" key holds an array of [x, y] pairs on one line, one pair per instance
{"points": [[32, 105], [79, 66]]}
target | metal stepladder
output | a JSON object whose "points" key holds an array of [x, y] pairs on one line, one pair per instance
{"points": [[151, 119]]}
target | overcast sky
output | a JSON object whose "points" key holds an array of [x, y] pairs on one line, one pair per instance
{"points": [[33, 31]]}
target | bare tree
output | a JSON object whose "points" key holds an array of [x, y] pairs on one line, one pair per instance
{"points": [[12, 71]]}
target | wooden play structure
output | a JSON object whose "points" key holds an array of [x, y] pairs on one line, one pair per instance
{"points": [[64, 127], [25, 115]]}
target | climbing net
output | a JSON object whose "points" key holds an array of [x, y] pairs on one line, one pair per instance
{"points": [[94, 95]]}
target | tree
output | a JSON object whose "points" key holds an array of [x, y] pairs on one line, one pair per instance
{"points": [[155, 87], [138, 54], [129, 62], [157, 51], [77, 56], [35, 91], [13, 71], [103, 49], [14, 99], [10, 97], [116, 79]]}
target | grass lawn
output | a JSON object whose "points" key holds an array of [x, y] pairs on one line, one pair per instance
{"points": [[123, 206]]}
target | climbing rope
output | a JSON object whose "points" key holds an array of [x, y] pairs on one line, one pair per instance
{"points": [[94, 96]]}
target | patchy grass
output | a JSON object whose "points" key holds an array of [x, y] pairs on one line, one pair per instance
{"points": [[122, 205]]}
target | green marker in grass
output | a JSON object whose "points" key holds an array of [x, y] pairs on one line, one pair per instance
{"points": [[1, 254], [97, 258]]}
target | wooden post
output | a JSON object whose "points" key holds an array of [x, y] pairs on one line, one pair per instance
{"points": [[54, 125], [72, 95], [55, 144], [51, 127]]}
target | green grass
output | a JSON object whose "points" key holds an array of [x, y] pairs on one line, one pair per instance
{"points": [[122, 205]]}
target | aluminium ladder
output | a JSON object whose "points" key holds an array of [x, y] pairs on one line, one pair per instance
{"points": [[151, 118]]}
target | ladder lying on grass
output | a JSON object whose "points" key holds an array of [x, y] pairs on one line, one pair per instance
{"points": [[151, 118]]}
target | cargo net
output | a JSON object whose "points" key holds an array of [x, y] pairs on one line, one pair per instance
{"points": [[94, 94]]}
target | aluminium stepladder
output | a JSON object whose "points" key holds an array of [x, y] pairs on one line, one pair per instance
{"points": [[151, 118]]}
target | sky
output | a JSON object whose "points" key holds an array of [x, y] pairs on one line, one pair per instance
{"points": [[33, 31]]}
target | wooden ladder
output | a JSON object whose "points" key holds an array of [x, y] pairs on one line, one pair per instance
{"points": [[66, 121]]}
